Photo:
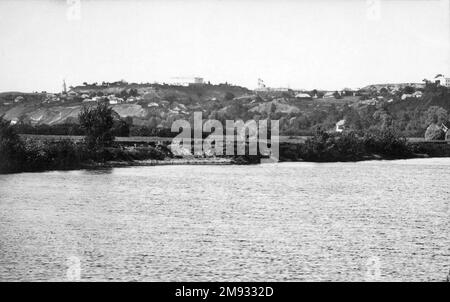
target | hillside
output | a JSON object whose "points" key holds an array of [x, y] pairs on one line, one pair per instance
{"points": [[156, 106], [144, 103], [397, 86]]}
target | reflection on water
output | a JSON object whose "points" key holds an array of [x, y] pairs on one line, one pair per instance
{"points": [[292, 221]]}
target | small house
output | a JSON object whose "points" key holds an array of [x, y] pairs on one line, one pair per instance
{"points": [[442, 81], [302, 95], [340, 126], [406, 96], [417, 94], [19, 99], [95, 99], [329, 94]]}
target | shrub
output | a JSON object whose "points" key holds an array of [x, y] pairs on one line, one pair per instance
{"points": [[349, 146], [12, 151], [98, 123], [387, 142], [47, 155], [229, 96], [332, 146], [434, 132]]}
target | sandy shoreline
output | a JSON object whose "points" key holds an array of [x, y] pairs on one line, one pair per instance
{"points": [[171, 161]]}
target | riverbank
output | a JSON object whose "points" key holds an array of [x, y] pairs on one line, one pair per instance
{"points": [[217, 161], [34, 155], [168, 161], [290, 153], [360, 146]]}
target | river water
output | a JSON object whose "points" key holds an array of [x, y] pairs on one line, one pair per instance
{"points": [[377, 220]]}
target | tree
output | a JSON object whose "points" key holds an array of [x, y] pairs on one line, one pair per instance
{"points": [[123, 94], [436, 115], [409, 90], [12, 151], [352, 118], [229, 96], [133, 92], [97, 123], [384, 91], [121, 128], [337, 95], [434, 132], [272, 108]]}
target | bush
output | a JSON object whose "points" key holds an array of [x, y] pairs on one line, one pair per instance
{"points": [[388, 143], [229, 96], [350, 146], [48, 155], [98, 123], [12, 151], [332, 146], [39, 155], [434, 132]]}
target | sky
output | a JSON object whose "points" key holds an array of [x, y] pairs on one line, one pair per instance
{"points": [[320, 44]]}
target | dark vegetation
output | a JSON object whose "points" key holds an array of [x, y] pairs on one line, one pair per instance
{"points": [[360, 145], [384, 108], [410, 117], [37, 155], [97, 122], [369, 126], [353, 146], [17, 155]]}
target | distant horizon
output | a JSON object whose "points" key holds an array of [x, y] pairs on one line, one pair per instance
{"points": [[206, 82], [304, 45]]}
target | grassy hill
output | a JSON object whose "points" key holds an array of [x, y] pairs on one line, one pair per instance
{"points": [[156, 106]]}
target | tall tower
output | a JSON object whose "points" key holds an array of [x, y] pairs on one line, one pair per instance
{"points": [[64, 91]]}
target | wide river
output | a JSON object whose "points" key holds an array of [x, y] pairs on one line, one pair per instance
{"points": [[377, 220]]}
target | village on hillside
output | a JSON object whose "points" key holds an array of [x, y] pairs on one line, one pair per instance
{"points": [[150, 108]]}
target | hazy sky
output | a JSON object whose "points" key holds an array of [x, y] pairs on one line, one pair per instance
{"points": [[298, 44]]}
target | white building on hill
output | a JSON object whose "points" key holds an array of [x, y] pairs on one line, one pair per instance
{"points": [[329, 94], [302, 95], [185, 81], [441, 80]]}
